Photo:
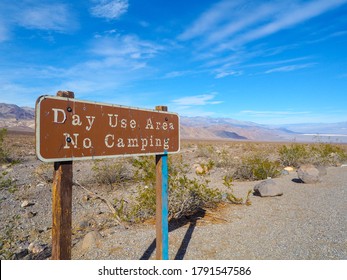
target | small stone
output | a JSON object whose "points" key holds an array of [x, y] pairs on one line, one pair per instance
{"points": [[267, 188], [30, 214], [91, 240], [284, 172], [25, 203], [35, 247], [289, 168]]}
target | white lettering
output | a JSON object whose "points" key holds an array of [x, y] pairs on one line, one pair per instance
{"points": [[144, 144], [166, 144], [112, 124], [55, 117], [123, 123], [107, 143], [132, 124], [133, 142], [149, 124], [120, 143], [90, 122], [76, 120], [87, 143], [70, 140]]}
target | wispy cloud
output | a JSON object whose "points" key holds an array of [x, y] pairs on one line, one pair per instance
{"points": [[109, 9], [273, 113], [125, 47], [55, 17], [197, 100], [289, 68], [224, 74], [294, 15], [209, 19], [36, 15], [225, 35]]}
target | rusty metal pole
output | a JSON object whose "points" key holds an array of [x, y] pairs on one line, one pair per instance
{"points": [[162, 227], [62, 205]]}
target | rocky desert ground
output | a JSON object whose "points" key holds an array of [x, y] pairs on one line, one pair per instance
{"points": [[289, 219]]}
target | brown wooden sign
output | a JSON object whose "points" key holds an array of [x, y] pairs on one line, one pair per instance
{"points": [[69, 129]]}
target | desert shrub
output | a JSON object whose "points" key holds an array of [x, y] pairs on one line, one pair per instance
{"points": [[206, 151], [257, 167], [294, 155], [4, 156], [186, 195], [145, 170], [327, 154], [318, 154], [111, 172], [44, 172], [5, 181], [8, 238], [205, 168]]}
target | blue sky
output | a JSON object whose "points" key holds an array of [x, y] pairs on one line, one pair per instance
{"points": [[270, 62]]}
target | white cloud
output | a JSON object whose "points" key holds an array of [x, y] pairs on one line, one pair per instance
{"points": [[127, 48], [37, 15], [209, 19], [289, 68], [197, 100], [109, 9], [292, 15], [224, 74], [54, 17], [273, 113]]}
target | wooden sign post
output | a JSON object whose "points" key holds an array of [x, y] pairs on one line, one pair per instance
{"points": [[62, 205], [68, 129]]}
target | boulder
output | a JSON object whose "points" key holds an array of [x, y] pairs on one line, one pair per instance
{"points": [[309, 174], [267, 188]]}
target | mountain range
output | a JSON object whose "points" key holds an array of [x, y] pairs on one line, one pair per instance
{"points": [[17, 118]]}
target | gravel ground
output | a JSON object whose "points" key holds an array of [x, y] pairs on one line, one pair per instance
{"points": [[307, 222]]}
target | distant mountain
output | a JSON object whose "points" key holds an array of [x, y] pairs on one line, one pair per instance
{"points": [[18, 118], [319, 128], [225, 128], [11, 111]]}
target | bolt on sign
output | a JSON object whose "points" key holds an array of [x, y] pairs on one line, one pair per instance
{"points": [[69, 129]]}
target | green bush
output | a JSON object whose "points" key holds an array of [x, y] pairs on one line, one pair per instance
{"points": [[186, 195], [327, 154], [257, 167], [4, 157], [318, 154], [294, 155], [111, 172]]}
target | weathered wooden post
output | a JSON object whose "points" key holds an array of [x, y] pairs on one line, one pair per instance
{"points": [[162, 225], [62, 205]]}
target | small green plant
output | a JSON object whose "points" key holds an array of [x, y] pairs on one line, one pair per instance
{"points": [[8, 238], [205, 168], [4, 156], [293, 155], [257, 167], [145, 170], [206, 151], [327, 154], [6, 182], [111, 172]]}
